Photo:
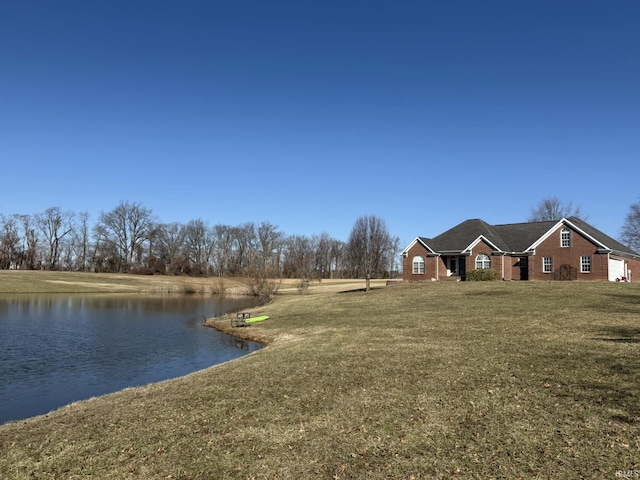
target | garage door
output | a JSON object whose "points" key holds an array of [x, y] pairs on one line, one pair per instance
{"points": [[616, 269]]}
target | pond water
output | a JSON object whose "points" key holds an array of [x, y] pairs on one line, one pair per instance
{"points": [[55, 350]]}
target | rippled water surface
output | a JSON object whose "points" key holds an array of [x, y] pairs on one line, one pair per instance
{"points": [[55, 350]]}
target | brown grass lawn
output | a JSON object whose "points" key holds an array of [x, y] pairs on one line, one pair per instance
{"points": [[435, 380], [29, 281]]}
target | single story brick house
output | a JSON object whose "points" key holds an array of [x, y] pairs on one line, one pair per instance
{"points": [[568, 249]]}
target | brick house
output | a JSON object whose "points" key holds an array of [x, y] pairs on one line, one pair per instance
{"points": [[569, 249]]}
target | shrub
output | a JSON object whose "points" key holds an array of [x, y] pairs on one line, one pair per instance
{"points": [[263, 288], [483, 275], [303, 285]]}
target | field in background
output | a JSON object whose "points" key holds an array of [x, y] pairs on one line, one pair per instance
{"points": [[435, 380], [29, 281]]}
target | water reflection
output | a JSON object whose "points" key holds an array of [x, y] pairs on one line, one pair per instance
{"points": [[58, 349], [239, 343]]}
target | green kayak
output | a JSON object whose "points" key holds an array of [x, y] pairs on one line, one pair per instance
{"points": [[256, 319]]}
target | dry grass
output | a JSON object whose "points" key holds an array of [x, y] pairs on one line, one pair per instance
{"points": [[28, 281], [439, 380]]}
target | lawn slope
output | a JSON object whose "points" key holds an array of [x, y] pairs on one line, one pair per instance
{"points": [[475, 380]]}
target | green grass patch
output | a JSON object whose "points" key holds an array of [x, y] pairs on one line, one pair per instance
{"points": [[434, 380]]}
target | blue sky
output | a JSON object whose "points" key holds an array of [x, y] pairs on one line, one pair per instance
{"points": [[311, 114]]}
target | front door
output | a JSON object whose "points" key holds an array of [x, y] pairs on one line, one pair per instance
{"points": [[453, 266], [462, 269]]}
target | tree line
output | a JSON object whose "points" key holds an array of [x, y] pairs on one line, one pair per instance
{"points": [[130, 239]]}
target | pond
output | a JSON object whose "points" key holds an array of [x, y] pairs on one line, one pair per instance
{"points": [[56, 349]]}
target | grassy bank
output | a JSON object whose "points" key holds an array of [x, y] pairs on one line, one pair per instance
{"points": [[29, 281], [474, 380]]}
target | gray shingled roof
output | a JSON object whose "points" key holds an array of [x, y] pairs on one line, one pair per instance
{"points": [[602, 237], [459, 237], [520, 236]]}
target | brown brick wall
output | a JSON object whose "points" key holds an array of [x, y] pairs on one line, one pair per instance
{"points": [[497, 261], [407, 264], [580, 246]]}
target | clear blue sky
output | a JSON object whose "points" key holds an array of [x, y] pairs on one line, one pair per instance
{"points": [[310, 114]]}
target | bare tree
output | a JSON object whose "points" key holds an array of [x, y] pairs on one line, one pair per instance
{"points": [[337, 258], [169, 246], [222, 251], [122, 233], [29, 242], [54, 225], [9, 243], [371, 248], [243, 239], [80, 243], [299, 259], [552, 208], [324, 264], [630, 232], [199, 243], [269, 247]]}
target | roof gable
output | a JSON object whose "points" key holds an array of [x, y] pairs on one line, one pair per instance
{"points": [[420, 240], [480, 239], [463, 235], [602, 238]]}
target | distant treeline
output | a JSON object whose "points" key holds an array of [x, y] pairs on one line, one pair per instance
{"points": [[129, 239]]}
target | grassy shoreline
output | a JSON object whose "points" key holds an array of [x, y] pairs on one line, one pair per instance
{"points": [[439, 380], [42, 282]]}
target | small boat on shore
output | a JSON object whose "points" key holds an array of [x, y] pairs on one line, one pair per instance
{"points": [[257, 319]]}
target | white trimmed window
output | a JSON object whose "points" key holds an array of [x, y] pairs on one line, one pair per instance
{"points": [[547, 264], [565, 237], [483, 261], [418, 265], [585, 264]]}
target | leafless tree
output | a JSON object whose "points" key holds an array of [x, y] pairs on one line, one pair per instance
{"points": [[30, 241], [552, 208], [169, 248], [9, 243], [630, 232], [298, 257], [199, 243], [80, 242], [243, 239], [337, 258], [122, 233], [371, 248], [269, 247], [223, 247], [323, 244], [54, 225]]}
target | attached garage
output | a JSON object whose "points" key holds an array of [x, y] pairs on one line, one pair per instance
{"points": [[617, 269]]}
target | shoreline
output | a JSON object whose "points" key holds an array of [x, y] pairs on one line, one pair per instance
{"points": [[249, 333]]}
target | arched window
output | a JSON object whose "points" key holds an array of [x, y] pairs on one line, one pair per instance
{"points": [[483, 261], [418, 265], [565, 237]]}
